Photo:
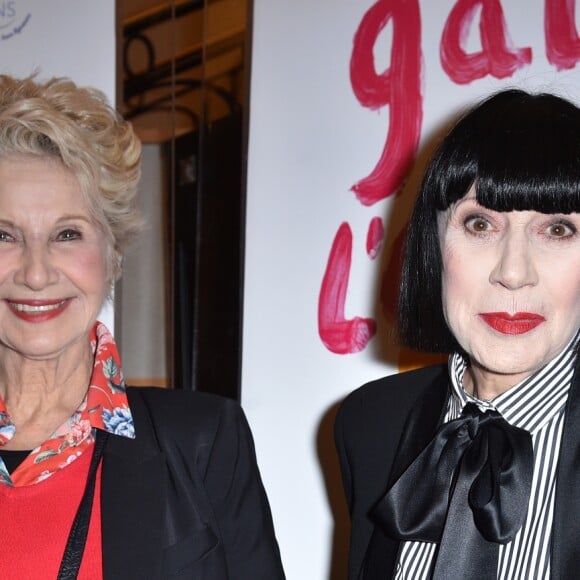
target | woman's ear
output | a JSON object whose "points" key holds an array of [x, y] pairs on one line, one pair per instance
{"points": [[115, 265], [118, 264]]}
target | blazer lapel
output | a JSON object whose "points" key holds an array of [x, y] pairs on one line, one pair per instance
{"points": [[132, 510], [566, 527], [420, 427]]}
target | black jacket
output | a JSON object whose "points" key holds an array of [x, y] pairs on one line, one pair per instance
{"points": [[384, 425], [184, 499]]}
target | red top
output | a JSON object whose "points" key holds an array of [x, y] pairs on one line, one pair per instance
{"points": [[34, 536]]}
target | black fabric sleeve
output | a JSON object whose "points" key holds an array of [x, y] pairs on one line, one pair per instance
{"points": [[213, 487], [234, 487]]}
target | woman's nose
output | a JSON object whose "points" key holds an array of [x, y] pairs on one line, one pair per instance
{"points": [[36, 270], [514, 266]]}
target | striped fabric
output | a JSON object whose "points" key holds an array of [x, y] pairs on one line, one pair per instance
{"points": [[536, 404]]}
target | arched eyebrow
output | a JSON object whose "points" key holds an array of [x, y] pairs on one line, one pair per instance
{"points": [[73, 217]]}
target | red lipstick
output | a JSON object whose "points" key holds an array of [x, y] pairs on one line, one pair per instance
{"points": [[37, 310], [518, 323]]}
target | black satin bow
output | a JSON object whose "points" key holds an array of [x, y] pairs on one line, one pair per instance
{"points": [[468, 490]]}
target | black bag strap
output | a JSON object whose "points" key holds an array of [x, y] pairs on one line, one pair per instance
{"points": [[77, 539]]}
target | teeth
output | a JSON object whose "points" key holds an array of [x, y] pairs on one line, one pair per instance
{"points": [[41, 308]]}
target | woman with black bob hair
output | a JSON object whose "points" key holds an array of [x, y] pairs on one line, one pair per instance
{"points": [[467, 470]]}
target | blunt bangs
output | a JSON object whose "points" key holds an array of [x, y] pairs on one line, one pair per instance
{"points": [[521, 151]]}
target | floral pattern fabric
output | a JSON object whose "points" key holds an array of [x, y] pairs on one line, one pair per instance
{"points": [[104, 407]]}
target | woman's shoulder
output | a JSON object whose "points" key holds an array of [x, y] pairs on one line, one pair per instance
{"points": [[378, 410], [393, 389], [168, 397], [183, 412]]}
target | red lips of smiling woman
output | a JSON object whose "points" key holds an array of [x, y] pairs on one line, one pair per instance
{"points": [[518, 323], [37, 310]]}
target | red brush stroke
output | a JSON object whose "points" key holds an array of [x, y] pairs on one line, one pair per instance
{"points": [[375, 235], [399, 87], [562, 42], [497, 58], [339, 335]]}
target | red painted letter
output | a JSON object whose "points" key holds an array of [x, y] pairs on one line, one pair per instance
{"points": [[375, 235], [497, 58], [562, 42], [399, 87], [338, 334]]}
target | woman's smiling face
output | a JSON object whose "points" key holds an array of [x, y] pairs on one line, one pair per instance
{"points": [[511, 286], [53, 260]]}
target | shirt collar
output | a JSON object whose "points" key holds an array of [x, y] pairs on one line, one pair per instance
{"points": [[106, 400], [531, 403]]}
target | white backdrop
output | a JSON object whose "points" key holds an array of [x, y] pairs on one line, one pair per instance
{"points": [[72, 38], [316, 130]]}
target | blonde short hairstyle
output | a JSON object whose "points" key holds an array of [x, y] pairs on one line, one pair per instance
{"points": [[78, 127]]}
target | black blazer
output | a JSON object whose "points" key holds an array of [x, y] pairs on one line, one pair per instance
{"points": [[184, 499], [384, 425]]}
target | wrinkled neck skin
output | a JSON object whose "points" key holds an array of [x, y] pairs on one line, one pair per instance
{"points": [[41, 394], [486, 385]]}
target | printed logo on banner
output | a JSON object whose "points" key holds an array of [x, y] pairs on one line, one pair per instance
{"points": [[13, 19]]}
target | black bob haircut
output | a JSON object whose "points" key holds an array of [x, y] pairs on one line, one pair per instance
{"points": [[522, 152]]}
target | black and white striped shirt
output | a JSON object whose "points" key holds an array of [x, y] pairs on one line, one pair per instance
{"points": [[537, 404]]}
